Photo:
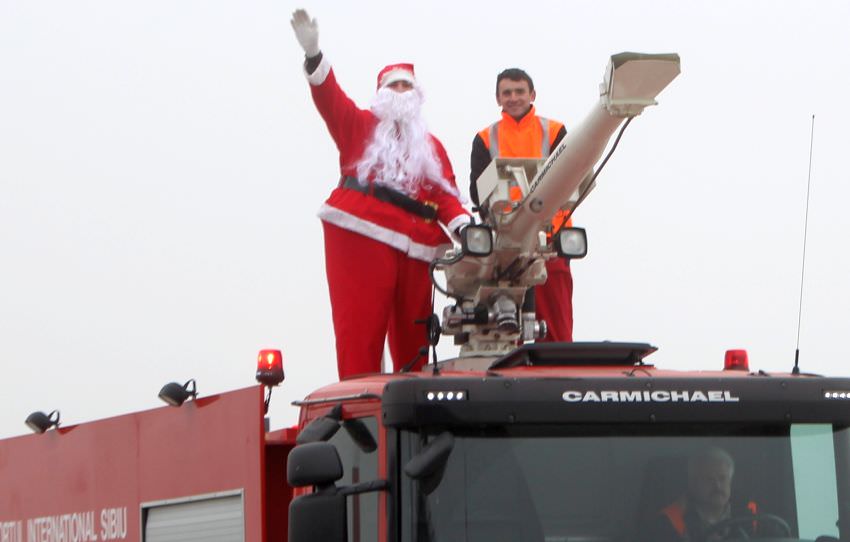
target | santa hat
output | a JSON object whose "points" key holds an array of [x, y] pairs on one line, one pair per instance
{"points": [[394, 73]]}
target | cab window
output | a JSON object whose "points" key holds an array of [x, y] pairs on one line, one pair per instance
{"points": [[359, 466]]}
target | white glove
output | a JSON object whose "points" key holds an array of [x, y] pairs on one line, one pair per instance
{"points": [[306, 31]]}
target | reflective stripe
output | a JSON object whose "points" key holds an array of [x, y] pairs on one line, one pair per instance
{"points": [[545, 147], [494, 140]]}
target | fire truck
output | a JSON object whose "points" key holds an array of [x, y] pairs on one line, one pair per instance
{"points": [[513, 440]]}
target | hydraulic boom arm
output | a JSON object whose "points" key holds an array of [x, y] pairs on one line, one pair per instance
{"points": [[490, 289]]}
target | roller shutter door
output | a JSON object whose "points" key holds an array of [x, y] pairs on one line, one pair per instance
{"points": [[217, 519]]}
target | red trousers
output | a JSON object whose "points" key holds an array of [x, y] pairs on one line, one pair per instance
{"points": [[554, 300], [376, 292]]}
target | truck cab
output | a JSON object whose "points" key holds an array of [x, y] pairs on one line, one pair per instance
{"points": [[580, 442]]}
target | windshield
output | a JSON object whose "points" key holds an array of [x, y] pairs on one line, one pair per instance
{"points": [[607, 483]]}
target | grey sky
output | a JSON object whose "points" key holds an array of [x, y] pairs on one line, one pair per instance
{"points": [[161, 165]]}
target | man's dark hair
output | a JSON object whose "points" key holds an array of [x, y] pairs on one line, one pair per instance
{"points": [[514, 74]]}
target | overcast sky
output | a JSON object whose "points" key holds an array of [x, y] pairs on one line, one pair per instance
{"points": [[161, 165]]}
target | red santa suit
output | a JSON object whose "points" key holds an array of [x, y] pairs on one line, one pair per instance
{"points": [[376, 251]]}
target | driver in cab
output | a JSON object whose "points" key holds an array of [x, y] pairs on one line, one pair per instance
{"points": [[705, 513]]}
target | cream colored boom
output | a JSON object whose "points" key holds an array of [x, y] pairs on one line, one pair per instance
{"points": [[632, 82]]}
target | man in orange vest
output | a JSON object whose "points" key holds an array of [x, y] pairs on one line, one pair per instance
{"points": [[706, 512], [522, 134]]}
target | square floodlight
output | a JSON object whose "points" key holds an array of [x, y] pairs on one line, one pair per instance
{"points": [[476, 240], [571, 243]]}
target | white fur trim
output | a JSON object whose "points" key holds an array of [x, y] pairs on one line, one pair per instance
{"points": [[397, 75], [318, 77], [458, 221], [398, 241]]}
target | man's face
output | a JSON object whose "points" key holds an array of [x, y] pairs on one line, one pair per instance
{"points": [[514, 97], [400, 86], [711, 483]]}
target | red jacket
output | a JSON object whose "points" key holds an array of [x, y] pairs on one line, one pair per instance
{"points": [[351, 129]]}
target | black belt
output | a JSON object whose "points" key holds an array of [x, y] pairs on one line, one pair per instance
{"points": [[427, 210]]}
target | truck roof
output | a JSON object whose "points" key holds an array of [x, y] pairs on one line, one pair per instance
{"points": [[540, 360], [554, 383], [371, 386]]}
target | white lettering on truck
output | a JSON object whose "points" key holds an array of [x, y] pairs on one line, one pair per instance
{"points": [[113, 523], [11, 531], [76, 527], [657, 396], [71, 527]]}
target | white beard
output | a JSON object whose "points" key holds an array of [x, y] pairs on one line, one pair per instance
{"points": [[400, 155]]}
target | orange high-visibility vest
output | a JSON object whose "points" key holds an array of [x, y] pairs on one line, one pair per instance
{"points": [[676, 514], [531, 137]]}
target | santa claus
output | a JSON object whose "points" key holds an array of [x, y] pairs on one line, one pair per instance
{"points": [[381, 221]]}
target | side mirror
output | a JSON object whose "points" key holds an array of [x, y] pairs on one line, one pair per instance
{"points": [[319, 430], [313, 464], [321, 515], [428, 465], [324, 428], [361, 435], [571, 243], [476, 240]]}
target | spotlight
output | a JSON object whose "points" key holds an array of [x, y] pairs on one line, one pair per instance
{"points": [[175, 395], [40, 422], [477, 240]]}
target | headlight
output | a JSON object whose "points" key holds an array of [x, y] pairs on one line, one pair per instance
{"points": [[572, 243], [476, 240]]}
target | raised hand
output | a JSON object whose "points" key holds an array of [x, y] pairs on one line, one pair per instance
{"points": [[306, 31]]}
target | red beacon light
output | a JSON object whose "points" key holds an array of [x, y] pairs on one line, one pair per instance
{"points": [[270, 367], [736, 360]]}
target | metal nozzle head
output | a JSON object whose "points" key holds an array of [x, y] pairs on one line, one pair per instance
{"points": [[504, 313]]}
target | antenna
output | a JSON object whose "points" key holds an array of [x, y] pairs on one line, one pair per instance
{"points": [[796, 369]]}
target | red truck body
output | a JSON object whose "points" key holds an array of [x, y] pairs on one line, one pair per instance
{"points": [[98, 480], [210, 470]]}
